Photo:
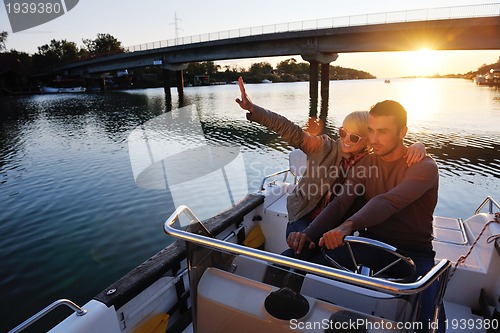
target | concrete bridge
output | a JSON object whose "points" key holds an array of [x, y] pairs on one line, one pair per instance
{"points": [[318, 41]]}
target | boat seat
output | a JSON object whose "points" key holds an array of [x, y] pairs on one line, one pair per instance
{"points": [[278, 207], [453, 251], [297, 161], [274, 224], [298, 164], [449, 230]]}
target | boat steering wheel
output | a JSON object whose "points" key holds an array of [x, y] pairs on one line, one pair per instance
{"points": [[368, 271]]}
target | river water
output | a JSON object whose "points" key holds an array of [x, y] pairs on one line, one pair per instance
{"points": [[73, 219]]}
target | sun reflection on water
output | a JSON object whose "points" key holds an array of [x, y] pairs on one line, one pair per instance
{"points": [[422, 100]]}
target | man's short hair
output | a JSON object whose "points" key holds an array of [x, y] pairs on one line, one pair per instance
{"points": [[390, 108]]}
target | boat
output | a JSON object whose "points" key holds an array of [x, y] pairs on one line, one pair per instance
{"points": [[480, 79], [266, 81], [387, 81], [225, 274], [201, 80], [492, 78], [55, 90]]}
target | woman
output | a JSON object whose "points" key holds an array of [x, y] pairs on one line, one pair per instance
{"points": [[328, 160]]}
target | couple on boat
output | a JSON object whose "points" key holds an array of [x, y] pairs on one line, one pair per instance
{"points": [[399, 193]]}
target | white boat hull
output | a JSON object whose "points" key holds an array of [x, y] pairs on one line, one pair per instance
{"points": [[54, 90]]}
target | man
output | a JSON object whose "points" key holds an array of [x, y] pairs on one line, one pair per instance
{"points": [[400, 199]]}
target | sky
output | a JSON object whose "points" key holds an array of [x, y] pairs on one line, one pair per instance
{"points": [[139, 22]]}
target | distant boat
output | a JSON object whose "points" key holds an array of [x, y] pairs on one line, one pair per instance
{"points": [[387, 81], [480, 79], [491, 79], [266, 81], [55, 90]]}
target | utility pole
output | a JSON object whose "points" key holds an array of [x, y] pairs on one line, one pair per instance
{"points": [[176, 27], [177, 68]]}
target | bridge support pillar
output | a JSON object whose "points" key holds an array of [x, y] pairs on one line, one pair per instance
{"points": [[166, 83], [325, 81], [314, 57], [179, 76], [102, 84], [313, 79]]}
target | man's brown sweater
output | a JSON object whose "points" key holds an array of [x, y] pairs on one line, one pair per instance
{"points": [[400, 202]]}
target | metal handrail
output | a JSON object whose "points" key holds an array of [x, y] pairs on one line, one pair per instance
{"points": [[415, 15], [489, 200], [390, 287], [78, 310], [263, 182]]}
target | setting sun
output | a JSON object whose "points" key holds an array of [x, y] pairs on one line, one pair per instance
{"points": [[425, 52], [424, 62]]}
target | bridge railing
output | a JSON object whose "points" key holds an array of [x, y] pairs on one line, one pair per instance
{"points": [[441, 13]]}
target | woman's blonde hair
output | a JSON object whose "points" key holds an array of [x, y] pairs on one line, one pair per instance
{"points": [[358, 119]]}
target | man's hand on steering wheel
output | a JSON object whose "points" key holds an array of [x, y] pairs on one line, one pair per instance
{"points": [[297, 241], [335, 237]]}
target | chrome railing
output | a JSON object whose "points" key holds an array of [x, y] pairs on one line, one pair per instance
{"points": [[389, 287], [263, 182], [78, 310], [441, 13], [491, 202]]}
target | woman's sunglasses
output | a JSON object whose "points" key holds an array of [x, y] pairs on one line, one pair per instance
{"points": [[353, 137]]}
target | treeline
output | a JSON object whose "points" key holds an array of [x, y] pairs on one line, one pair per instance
{"points": [[59, 52], [288, 70]]}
